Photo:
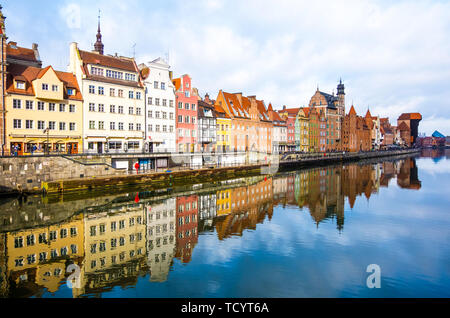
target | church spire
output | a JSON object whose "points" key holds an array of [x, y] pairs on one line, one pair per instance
{"points": [[98, 46]]}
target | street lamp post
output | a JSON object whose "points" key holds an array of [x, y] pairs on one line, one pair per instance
{"points": [[47, 131]]}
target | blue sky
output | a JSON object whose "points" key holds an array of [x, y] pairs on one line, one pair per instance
{"points": [[394, 57]]}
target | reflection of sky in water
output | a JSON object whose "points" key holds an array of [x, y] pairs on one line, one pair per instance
{"points": [[406, 232]]}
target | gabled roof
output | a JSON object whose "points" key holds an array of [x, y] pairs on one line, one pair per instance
{"points": [[368, 114], [120, 63], [437, 134], [410, 116], [352, 111], [330, 99], [403, 126], [220, 112], [29, 73], [177, 83]]}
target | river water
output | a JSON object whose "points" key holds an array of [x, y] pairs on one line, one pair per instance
{"points": [[306, 233]]}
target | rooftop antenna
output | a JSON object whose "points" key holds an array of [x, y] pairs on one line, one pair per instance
{"points": [[134, 50]]}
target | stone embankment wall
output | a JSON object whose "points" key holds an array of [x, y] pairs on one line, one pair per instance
{"points": [[27, 173]]}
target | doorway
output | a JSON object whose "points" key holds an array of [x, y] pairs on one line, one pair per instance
{"points": [[100, 147]]}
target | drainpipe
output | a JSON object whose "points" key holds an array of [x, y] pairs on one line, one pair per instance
{"points": [[3, 97]]}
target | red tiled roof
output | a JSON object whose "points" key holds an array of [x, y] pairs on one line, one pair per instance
{"points": [[352, 111], [30, 73], [410, 116], [403, 126], [108, 61], [177, 83], [20, 53], [368, 114]]}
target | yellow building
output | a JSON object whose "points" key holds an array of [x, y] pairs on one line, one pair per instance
{"points": [[223, 202], [38, 99], [303, 125], [223, 121], [39, 255]]}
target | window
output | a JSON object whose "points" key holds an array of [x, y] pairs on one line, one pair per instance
{"points": [[31, 259], [138, 111], [40, 105], [91, 107], [113, 226], [131, 94], [73, 231], [120, 126], [120, 110], [96, 71], [112, 92], [138, 95], [62, 108], [72, 108], [17, 123], [70, 91], [63, 233], [54, 88], [163, 86], [101, 125], [93, 230], [17, 103], [45, 87], [73, 248], [157, 128], [156, 114], [130, 77], [41, 125], [130, 110], [164, 115], [91, 89], [155, 85], [150, 114], [42, 257], [138, 127], [150, 100], [171, 103], [186, 119], [130, 126], [20, 85], [101, 108], [164, 128], [180, 105], [186, 93], [101, 90], [170, 115], [120, 93], [52, 125], [53, 235], [51, 107], [112, 125], [112, 108], [29, 104], [157, 101], [113, 243], [186, 106], [164, 102], [29, 124], [180, 119], [193, 106], [171, 129], [150, 127], [91, 124]]}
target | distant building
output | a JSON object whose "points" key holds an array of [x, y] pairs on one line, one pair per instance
{"points": [[290, 115], [279, 137], [408, 125], [356, 133]]}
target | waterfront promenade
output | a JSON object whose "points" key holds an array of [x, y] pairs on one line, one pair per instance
{"points": [[63, 174]]}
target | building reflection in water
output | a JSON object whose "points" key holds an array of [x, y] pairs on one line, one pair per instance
{"points": [[119, 239]]}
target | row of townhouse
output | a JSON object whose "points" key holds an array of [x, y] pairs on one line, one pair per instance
{"points": [[110, 104]]}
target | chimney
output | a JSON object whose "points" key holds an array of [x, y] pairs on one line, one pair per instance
{"points": [[284, 107]]}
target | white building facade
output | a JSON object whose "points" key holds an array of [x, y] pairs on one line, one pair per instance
{"points": [[160, 133], [114, 101]]}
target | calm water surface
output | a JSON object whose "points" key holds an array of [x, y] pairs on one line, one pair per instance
{"points": [[308, 233]]}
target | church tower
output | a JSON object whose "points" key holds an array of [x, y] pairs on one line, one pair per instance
{"points": [[341, 98], [98, 46]]}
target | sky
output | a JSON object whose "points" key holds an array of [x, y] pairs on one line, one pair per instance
{"points": [[393, 57]]}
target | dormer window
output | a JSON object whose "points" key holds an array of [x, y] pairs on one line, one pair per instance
{"points": [[20, 85], [96, 71], [70, 91]]}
